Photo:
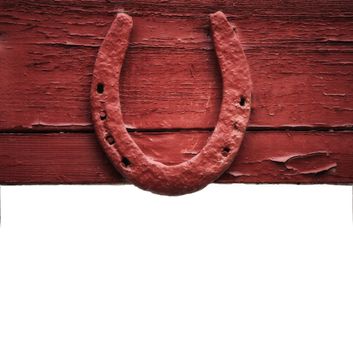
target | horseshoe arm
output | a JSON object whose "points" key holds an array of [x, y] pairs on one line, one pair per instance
{"points": [[223, 144]]}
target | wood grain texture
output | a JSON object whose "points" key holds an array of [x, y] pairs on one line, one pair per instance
{"points": [[300, 55], [301, 60], [273, 157]]}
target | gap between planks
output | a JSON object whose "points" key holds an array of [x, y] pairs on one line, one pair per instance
{"points": [[88, 129]]}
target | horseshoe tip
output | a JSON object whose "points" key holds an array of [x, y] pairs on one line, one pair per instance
{"points": [[124, 18], [219, 20], [217, 15]]}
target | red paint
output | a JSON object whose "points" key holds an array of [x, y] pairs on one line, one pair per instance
{"points": [[300, 57], [77, 158], [301, 62], [221, 148]]}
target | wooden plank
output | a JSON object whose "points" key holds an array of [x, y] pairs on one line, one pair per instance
{"points": [[301, 60], [300, 55], [299, 8], [266, 157]]}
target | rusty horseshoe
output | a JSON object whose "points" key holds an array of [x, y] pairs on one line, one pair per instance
{"points": [[222, 146]]}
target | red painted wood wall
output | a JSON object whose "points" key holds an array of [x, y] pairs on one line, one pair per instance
{"points": [[300, 55]]}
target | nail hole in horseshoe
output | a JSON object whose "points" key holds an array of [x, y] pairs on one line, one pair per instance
{"points": [[225, 151], [100, 88], [242, 101], [125, 162], [110, 139], [103, 115]]}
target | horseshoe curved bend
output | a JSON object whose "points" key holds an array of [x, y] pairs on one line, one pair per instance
{"points": [[222, 146]]}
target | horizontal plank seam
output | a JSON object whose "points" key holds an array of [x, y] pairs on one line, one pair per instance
{"points": [[293, 45], [200, 12], [90, 130], [251, 128]]}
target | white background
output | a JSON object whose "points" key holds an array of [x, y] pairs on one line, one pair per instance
{"points": [[230, 267]]}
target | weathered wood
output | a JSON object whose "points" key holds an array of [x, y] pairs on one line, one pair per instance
{"points": [[300, 55], [273, 157]]}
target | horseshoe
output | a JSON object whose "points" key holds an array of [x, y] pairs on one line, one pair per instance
{"points": [[222, 146]]}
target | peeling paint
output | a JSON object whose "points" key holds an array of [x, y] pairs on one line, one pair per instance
{"points": [[310, 163], [302, 69]]}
